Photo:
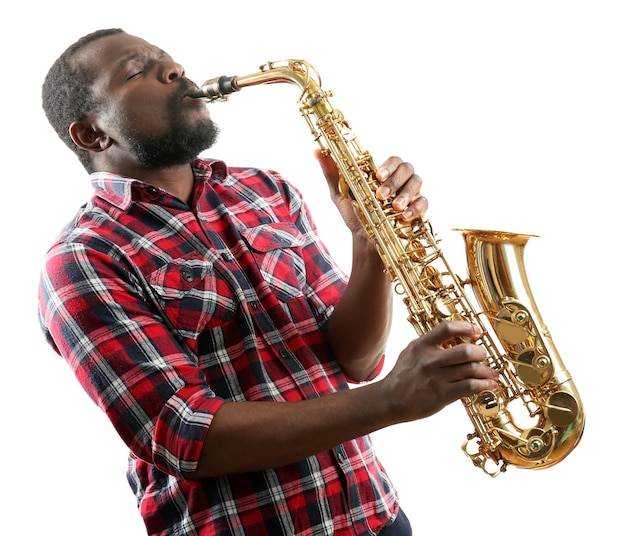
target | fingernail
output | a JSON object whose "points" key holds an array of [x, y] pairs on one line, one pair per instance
{"points": [[385, 191], [402, 201]]}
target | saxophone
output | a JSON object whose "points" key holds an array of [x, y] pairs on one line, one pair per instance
{"points": [[534, 419]]}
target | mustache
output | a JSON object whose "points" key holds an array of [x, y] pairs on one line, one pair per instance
{"points": [[190, 87], [185, 88]]}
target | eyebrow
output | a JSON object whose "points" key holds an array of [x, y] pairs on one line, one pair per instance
{"points": [[139, 54]]}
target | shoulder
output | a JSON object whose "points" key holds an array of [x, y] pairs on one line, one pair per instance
{"points": [[87, 239]]}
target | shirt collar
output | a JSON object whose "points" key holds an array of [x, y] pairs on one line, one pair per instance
{"points": [[121, 191]]}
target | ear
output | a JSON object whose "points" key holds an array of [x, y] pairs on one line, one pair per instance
{"points": [[88, 137]]}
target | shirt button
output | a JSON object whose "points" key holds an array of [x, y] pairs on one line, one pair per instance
{"points": [[187, 276], [152, 190]]}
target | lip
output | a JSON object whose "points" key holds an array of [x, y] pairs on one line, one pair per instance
{"points": [[189, 98], [191, 92], [187, 95]]}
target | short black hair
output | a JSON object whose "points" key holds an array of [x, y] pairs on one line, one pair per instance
{"points": [[66, 93]]}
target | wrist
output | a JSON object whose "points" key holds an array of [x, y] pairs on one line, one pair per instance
{"points": [[381, 400]]}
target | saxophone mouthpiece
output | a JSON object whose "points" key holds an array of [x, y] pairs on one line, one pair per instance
{"points": [[217, 88]]}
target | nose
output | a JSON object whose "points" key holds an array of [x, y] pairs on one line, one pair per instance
{"points": [[170, 71]]}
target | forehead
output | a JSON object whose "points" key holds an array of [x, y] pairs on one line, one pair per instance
{"points": [[111, 52]]}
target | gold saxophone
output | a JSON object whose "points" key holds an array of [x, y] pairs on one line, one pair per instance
{"points": [[533, 381]]}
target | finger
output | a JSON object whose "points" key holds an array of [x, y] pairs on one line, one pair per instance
{"points": [[408, 191], [447, 332], [467, 371], [416, 209], [388, 167], [469, 387], [462, 354], [398, 177]]}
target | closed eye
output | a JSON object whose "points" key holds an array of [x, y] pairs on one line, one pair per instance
{"points": [[133, 75]]}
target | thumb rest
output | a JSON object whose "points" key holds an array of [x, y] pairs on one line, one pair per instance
{"points": [[533, 382]]}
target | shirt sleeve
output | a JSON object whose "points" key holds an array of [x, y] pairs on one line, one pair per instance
{"points": [[94, 313]]}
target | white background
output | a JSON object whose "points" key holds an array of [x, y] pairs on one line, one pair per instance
{"points": [[514, 115]]}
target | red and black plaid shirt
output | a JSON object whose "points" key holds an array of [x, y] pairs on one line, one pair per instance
{"points": [[164, 313]]}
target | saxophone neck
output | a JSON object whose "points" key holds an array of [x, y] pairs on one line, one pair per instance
{"points": [[298, 72]]}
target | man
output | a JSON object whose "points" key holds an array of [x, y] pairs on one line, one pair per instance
{"points": [[199, 309]]}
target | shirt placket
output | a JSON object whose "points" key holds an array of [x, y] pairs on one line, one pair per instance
{"points": [[267, 326]]}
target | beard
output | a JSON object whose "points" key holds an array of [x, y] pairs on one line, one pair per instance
{"points": [[181, 145]]}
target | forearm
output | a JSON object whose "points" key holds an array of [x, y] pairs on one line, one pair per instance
{"points": [[428, 374], [359, 326], [252, 436]]}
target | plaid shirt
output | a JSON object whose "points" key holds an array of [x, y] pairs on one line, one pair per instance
{"points": [[164, 313]]}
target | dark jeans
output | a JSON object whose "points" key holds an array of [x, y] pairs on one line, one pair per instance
{"points": [[400, 527]]}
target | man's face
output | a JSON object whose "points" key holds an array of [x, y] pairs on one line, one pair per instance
{"points": [[145, 107]]}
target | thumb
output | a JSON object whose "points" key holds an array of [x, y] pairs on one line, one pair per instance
{"points": [[329, 168]]}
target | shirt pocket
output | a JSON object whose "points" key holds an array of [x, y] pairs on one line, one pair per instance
{"points": [[277, 251], [192, 294]]}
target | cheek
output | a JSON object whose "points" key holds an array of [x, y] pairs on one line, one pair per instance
{"points": [[140, 111], [138, 124]]}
